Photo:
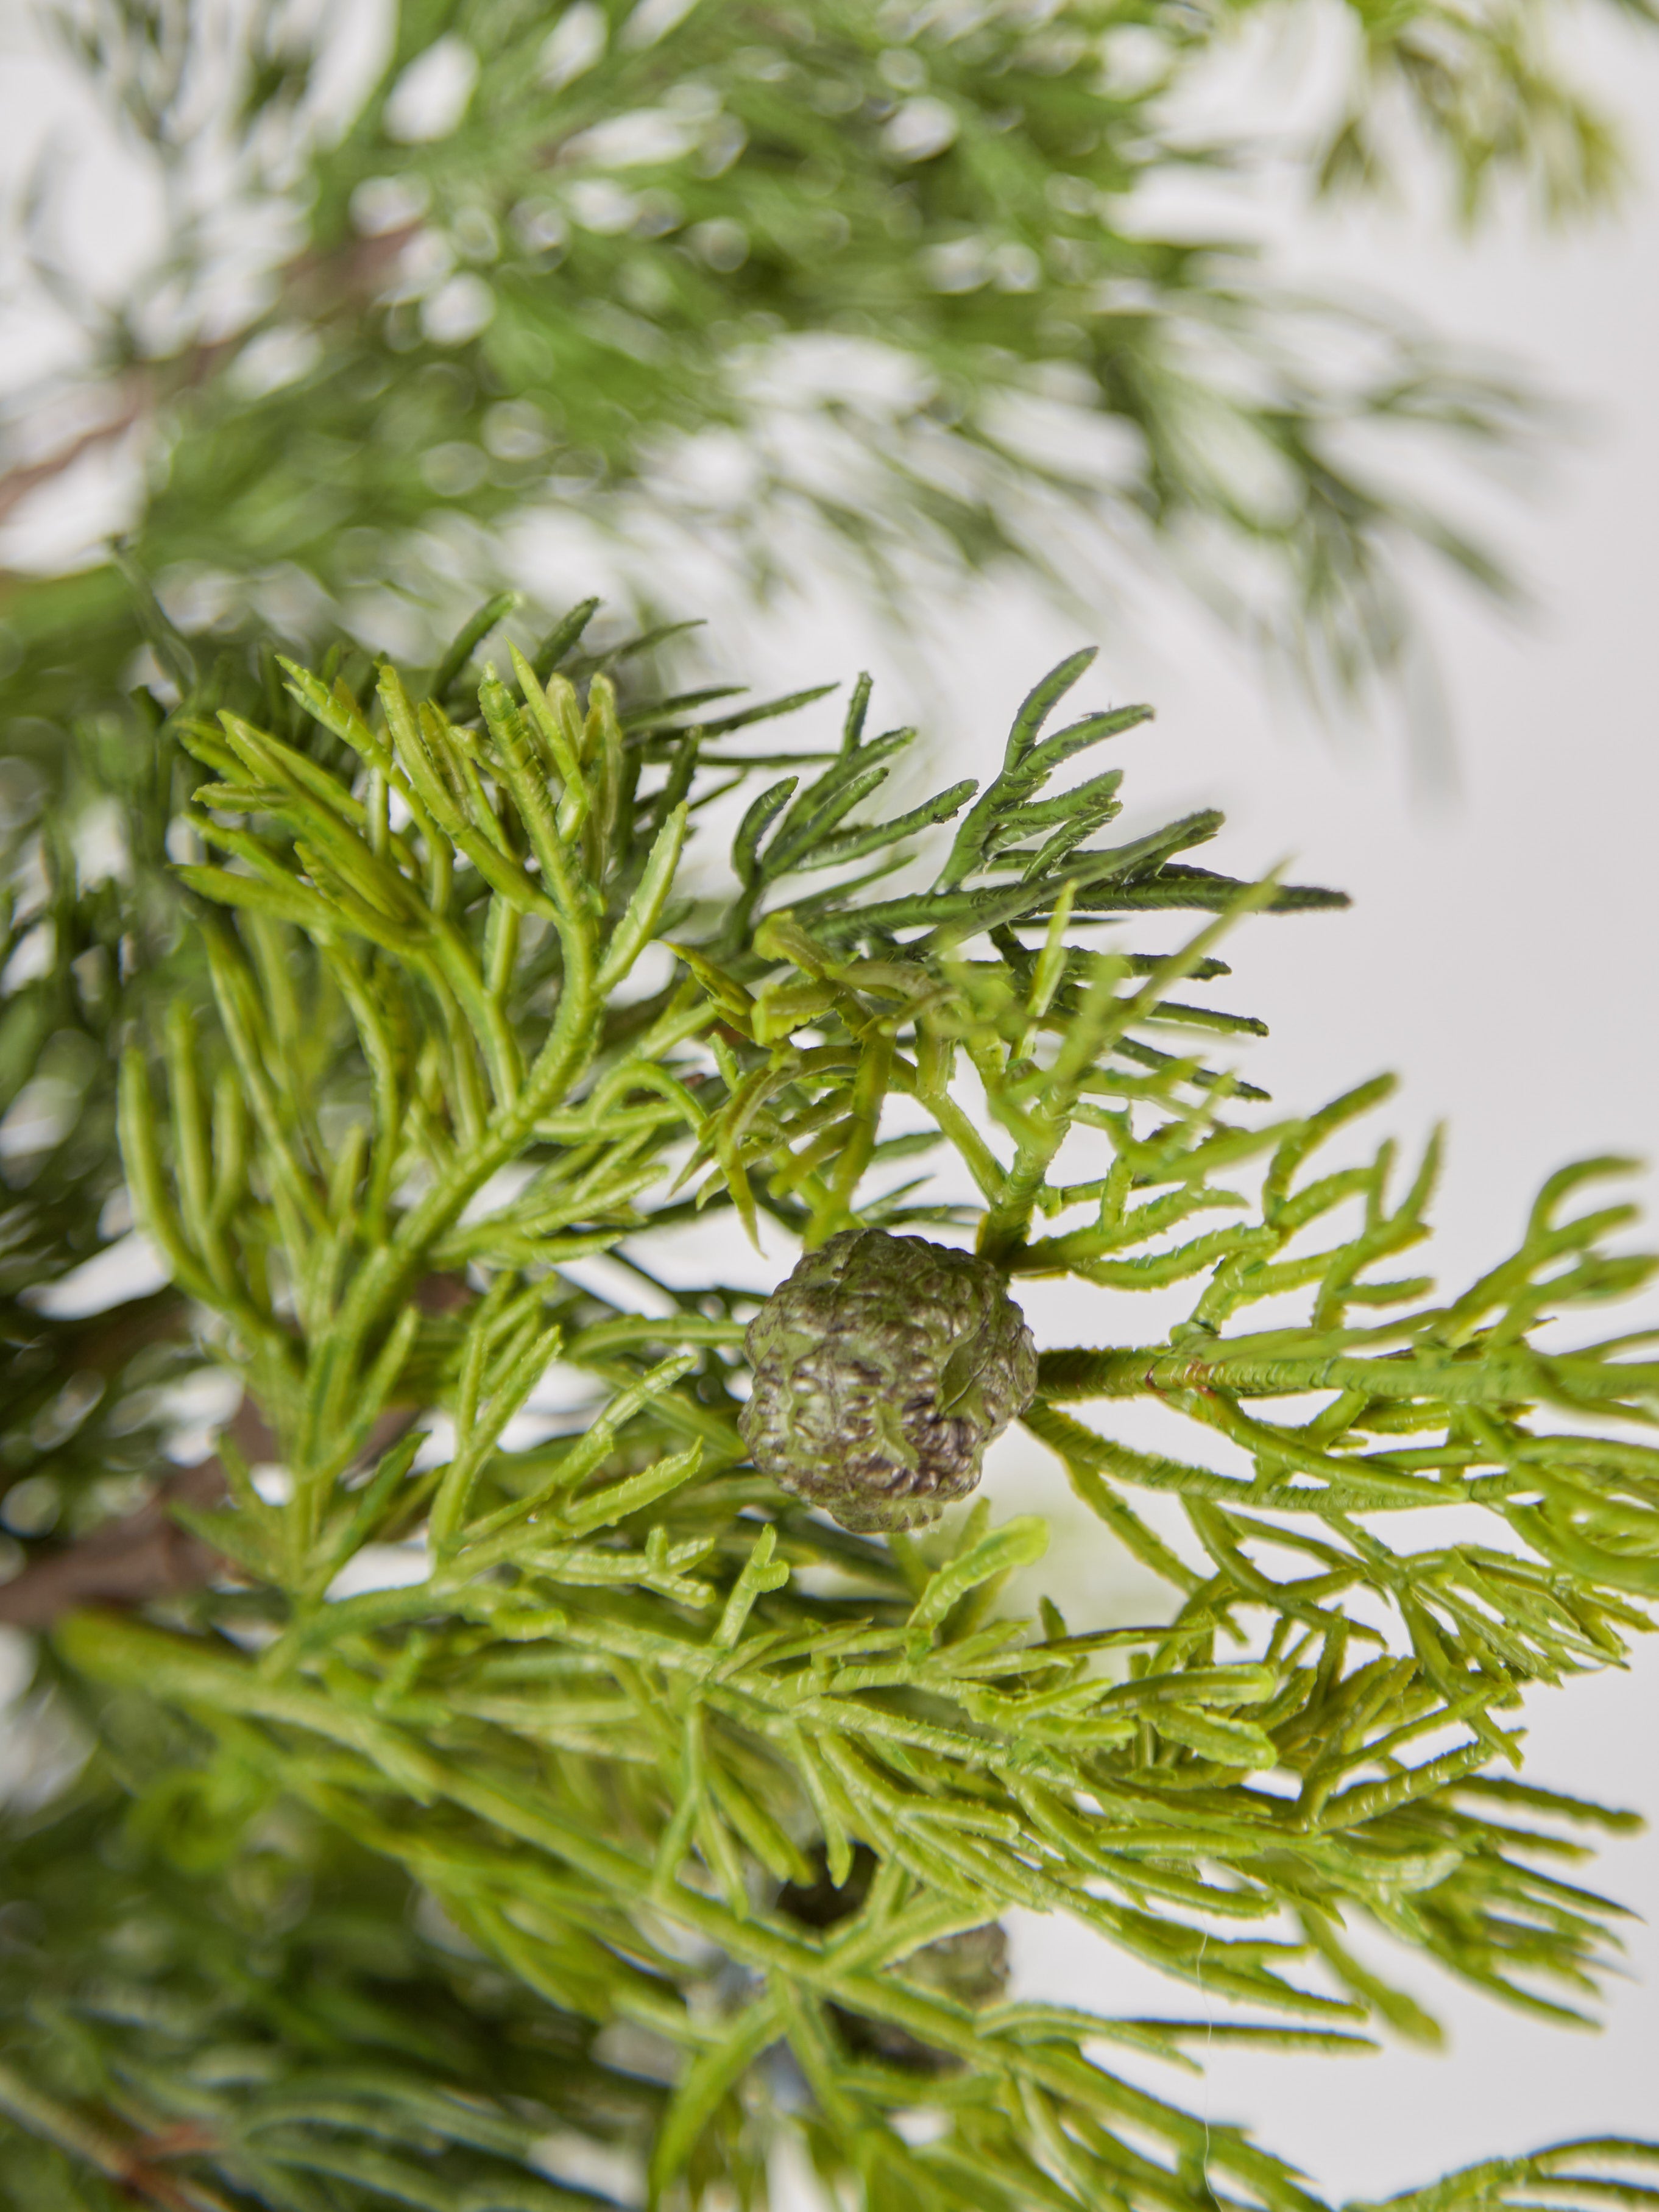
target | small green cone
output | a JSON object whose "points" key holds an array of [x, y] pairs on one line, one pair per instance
{"points": [[884, 1366]]}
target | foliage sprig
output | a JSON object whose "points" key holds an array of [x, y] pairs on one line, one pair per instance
{"points": [[639, 1696]]}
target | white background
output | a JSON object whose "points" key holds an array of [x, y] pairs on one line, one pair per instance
{"points": [[1500, 953]]}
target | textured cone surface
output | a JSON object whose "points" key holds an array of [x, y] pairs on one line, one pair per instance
{"points": [[883, 1367]]}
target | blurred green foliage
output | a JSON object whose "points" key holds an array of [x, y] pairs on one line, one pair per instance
{"points": [[906, 258]]}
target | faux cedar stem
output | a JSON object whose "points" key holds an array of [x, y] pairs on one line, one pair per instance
{"points": [[131, 2166], [146, 1554], [142, 1556], [315, 282]]}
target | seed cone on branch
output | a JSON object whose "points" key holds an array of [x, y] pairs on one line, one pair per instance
{"points": [[884, 1366], [970, 1967]]}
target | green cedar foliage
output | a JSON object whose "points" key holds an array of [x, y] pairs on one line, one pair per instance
{"points": [[643, 1699], [639, 211]]}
